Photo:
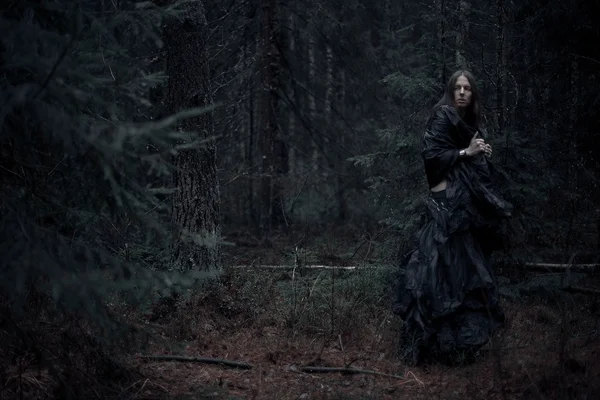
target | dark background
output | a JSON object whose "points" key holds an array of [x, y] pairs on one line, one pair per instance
{"points": [[149, 146]]}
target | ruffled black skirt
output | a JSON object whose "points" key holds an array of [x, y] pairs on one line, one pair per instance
{"points": [[447, 296]]}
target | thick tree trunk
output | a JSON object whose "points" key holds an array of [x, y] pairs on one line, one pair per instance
{"points": [[196, 200]]}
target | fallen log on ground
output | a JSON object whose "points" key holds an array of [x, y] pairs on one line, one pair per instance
{"points": [[258, 266], [590, 267], [204, 360]]}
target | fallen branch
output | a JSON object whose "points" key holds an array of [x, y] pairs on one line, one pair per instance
{"points": [[348, 268], [348, 371], [204, 360], [539, 266], [563, 267], [582, 290]]}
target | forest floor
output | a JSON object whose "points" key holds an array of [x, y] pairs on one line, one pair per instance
{"points": [[548, 349], [281, 322], [528, 361]]}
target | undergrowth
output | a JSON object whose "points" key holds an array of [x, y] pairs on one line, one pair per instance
{"points": [[295, 300], [544, 351]]}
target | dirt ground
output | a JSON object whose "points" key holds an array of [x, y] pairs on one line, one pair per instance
{"points": [[543, 352], [526, 367]]}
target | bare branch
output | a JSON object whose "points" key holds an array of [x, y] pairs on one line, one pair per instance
{"points": [[358, 371], [204, 360]]}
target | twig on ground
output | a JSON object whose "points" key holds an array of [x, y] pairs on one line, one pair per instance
{"points": [[318, 356], [142, 388], [204, 360], [356, 371], [420, 382], [353, 361]]}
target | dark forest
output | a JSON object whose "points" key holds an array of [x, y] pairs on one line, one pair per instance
{"points": [[214, 198]]}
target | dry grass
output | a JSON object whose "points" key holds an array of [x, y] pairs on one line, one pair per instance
{"points": [[529, 348], [527, 366], [250, 317]]}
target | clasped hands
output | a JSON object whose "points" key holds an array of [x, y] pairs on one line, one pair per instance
{"points": [[477, 146]]}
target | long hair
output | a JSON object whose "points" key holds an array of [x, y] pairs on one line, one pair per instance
{"points": [[473, 112]]}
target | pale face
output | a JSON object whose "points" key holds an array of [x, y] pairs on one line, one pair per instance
{"points": [[462, 93]]}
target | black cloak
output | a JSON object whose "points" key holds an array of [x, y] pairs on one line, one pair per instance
{"points": [[447, 296]]}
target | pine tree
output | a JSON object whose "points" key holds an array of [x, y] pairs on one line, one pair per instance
{"points": [[83, 160]]}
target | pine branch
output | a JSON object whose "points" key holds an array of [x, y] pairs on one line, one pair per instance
{"points": [[59, 60]]}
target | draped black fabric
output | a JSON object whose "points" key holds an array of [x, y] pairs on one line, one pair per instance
{"points": [[447, 296]]}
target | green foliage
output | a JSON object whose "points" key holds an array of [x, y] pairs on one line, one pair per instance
{"points": [[304, 301], [546, 173], [327, 302], [82, 183], [397, 184], [408, 87]]}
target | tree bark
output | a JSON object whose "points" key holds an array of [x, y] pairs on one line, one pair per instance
{"points": [[500, 69], [312, 104], [328, 104], [195, 213], [441, 32], [463, 14], [270, 142], [341, 168], [252, 209], [292, 115]]}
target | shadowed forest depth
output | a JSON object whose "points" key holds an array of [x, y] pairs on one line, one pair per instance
{"points": [[212, 199]]}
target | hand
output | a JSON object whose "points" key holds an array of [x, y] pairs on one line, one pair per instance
{"points": [[477, 145], [488, 150]]}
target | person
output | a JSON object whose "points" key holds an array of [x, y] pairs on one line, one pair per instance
{"points": [[447, 297]]}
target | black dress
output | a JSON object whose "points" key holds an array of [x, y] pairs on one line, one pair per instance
{"points": [[447, 296]]}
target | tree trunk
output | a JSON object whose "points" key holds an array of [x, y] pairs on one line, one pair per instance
{"points": [[572, 181], [463, 15], [441, 32], [241, 197], [327, 110], [292, 115], [312, 104], [500, 69], [251, 211], [195, 213], [270, 144], [341, 176]]}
